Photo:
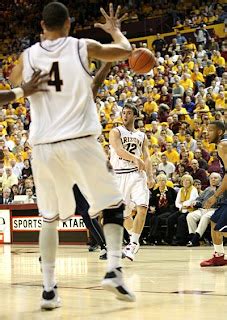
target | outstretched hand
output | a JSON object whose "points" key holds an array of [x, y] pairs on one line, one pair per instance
{"points": [[113, 22], [35, 84]]}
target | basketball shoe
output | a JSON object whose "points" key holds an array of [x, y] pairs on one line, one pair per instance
{"points": [[113, 282], [215, 261], [50, 299], [130, 250]]}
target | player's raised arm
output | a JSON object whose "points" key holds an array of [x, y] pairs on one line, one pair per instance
{"points": [[120, 49], [148, 165], [222, 151], [27, 89], [100, 77], [115, 142]]}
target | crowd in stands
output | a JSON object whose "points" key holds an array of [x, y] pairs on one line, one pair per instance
{"points": [[176, 100], [20, 19]]}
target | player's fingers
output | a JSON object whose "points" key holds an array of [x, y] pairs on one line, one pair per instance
{"points": [[117, 11], [111, 10], [124, 17], [104, 13], [98, 25], [36, 74], [41, 90]]}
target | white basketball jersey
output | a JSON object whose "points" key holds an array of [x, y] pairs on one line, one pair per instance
{"points": [[133, 143], [67, 110]]}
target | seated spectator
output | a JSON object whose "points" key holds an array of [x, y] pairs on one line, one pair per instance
{"points": [[202, 215], [202, 162], [189, 106], [185, 197], [190, 143], [199, 173], [9, 178], [205, 154], [171, 153], [214, 163], [166, 166], [14, 191], [29, 193], [162, 204], [27, 170], [197, 184], [5, 198], [178, 174]]}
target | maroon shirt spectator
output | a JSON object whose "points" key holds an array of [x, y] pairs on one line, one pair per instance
{"points": [[198, 173], [175, 125], [214, 164], [205, 154]]}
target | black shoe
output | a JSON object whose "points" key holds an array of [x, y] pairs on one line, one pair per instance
{"points": [[93, 248]]}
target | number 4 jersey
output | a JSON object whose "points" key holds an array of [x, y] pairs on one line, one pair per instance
{"points": [[133, 143], [66, 110]]}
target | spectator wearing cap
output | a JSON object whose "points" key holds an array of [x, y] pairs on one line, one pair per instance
{"points": [[199, 173]]}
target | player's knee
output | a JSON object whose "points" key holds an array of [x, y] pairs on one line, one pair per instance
{"points": [[114, 216], [50, 225]]}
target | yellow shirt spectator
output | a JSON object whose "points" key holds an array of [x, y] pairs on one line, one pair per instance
{"points": [[197, 76], [209, 69], [186, 83], [150, 106], [172, 156]]}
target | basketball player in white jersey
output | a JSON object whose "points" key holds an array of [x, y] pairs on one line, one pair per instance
{"points": [[63, 134], [128, 146]]}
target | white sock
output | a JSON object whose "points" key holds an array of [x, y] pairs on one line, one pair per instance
{"points": [[219, 249], [114, 236], [135, 237], [48, 242]]}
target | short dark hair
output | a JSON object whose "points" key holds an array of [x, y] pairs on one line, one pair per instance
{"points": [[132, 107], [219, 125], [54, 15]]}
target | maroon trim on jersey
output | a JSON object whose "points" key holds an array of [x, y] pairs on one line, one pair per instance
{"points": [[85, 69]]}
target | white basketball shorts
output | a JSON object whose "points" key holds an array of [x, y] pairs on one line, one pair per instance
{"points": [[133, 187], [58, 166]]}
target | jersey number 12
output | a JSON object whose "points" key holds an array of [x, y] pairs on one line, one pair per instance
{"points": [[54, 74]]}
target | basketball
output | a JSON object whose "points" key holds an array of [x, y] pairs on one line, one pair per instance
{"points": [[141, 60]]}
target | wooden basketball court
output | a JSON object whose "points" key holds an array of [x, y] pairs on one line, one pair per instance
{"points": [[168, 282]]}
